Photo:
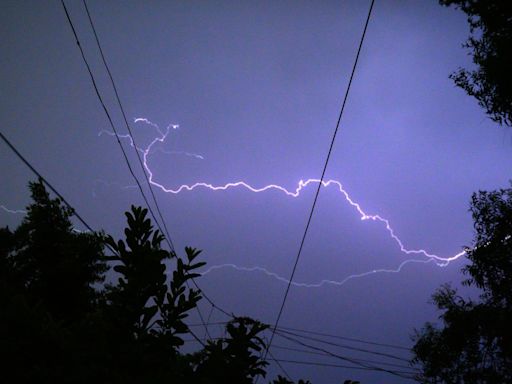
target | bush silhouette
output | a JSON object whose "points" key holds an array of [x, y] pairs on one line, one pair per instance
{"points": [[60, 322]]}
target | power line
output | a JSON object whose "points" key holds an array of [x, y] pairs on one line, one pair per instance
{"points": [[402, 373], [168, 239], [325, 354], [341, 357], [290, 330], [128, 125], [345, 338], [321, 179], [278, 362], [47, 183], [63, 199], [135, 148], [317, 353], [125, 156], [388, 355]]}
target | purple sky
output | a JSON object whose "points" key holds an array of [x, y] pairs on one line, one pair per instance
{"points": [[256, 88]]}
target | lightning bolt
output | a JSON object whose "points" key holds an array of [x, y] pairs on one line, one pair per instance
{"points": [[321, 282], [163, 135], [24, 212], [13, 211]]}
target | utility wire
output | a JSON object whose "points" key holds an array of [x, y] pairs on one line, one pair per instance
{"points": [[63, 199], [197, 338], [321, 179], [128, 127], [168, 239], [309, 352], [47, 183], [125, 156], [278, 362], [355, 340], [317, 353], [342, 346], [135, 148], [344, 358], [345, 338], [402, 373], [281, 332]]}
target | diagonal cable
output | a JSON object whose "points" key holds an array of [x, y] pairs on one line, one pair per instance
{"points": [[125, 156], [321, 179], [168, 239], [341, 357], [52, 188], [128, 126]]}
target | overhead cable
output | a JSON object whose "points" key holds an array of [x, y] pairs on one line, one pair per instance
{"points": [[125, 156], [168, 235], [333, 139]]}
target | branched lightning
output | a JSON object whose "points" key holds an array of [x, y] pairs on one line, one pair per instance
{"points": [[302, 185]]}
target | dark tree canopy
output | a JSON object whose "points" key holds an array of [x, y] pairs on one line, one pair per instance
{"points": [[490, 82], [474, 344], [61, 323]]}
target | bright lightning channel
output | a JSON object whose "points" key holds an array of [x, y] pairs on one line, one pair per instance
{"points": [[163, 135]]}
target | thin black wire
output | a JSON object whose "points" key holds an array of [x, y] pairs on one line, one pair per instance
{"points": [[281, 331], [210, 301], [120, 144], [54, 190], [171, 245], [205, 324], [280, 366], [325, 354], [197, 338], [47, 183], [108, 115], [290, 329], [345, 338], [316, 353], [402, 373], [169, 241], [63, 199], [321, 178], [341, 357]]}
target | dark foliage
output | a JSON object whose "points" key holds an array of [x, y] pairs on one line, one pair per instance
{"points": [[490, 82], [60, 323], [474, 345]]}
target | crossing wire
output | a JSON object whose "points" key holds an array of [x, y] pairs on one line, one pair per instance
{"points": [[128, 125], [168, 239], [323, 334], [388, 355], [321, 180], [125, 156], [342, 357], [49, 185]]}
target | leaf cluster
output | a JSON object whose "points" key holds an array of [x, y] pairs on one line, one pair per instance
{"points": [[490, 82], [62, 322], [474, 343]]}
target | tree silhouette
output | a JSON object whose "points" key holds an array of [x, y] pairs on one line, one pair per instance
{"points": [[474, 345], [233, 359], [60, 321], [490, 23]]}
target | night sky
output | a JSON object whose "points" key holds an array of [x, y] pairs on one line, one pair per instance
{"points": [[256, 89]]}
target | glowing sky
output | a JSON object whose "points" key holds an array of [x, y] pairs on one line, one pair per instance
{"points": [[255, 88]]}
